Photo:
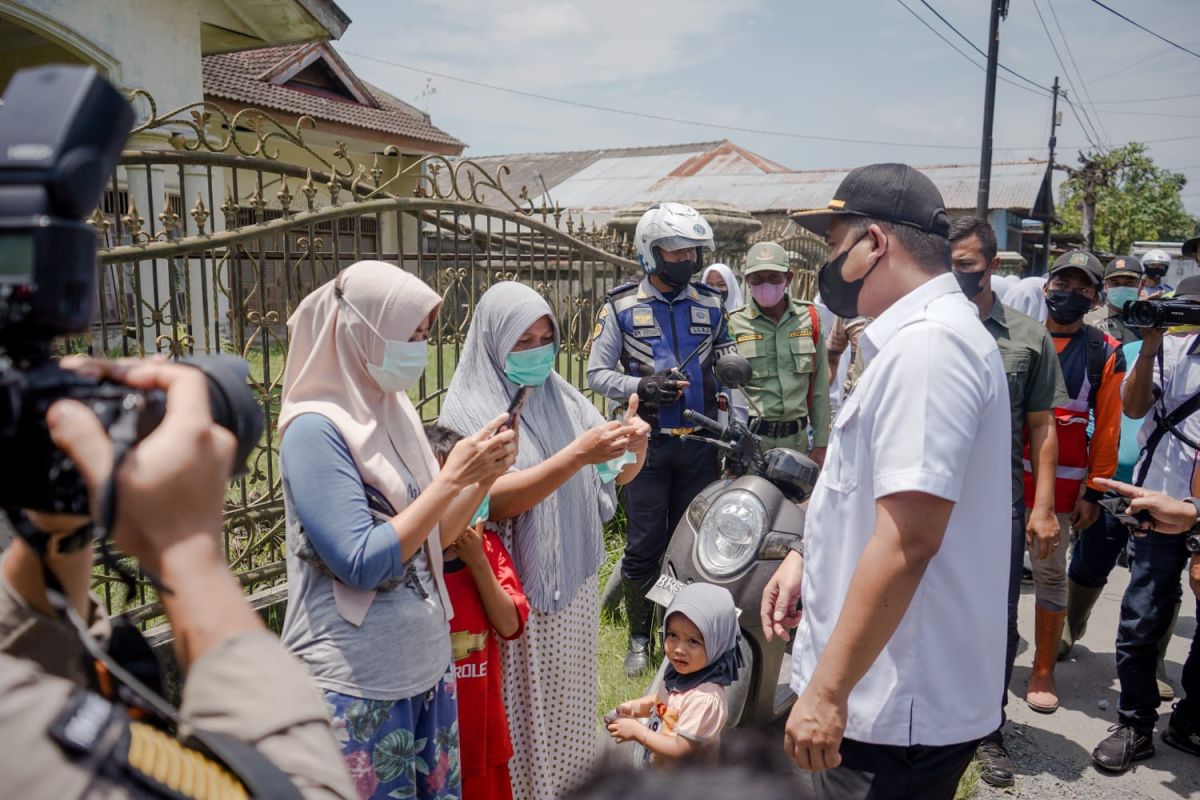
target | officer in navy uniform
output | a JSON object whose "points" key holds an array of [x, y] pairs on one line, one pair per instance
{"points": [[647, 337]]}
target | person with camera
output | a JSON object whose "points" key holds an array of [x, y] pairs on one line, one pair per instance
{"points": [[1160, 515], [660, 338], [1162, 388], [65, 741], [1122, 277], [368, 514], [1092, 368]]}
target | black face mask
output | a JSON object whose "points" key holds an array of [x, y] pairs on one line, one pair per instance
{"points": [[676, 273], [1067, 307], [970, 283], [1156, 274], [838, 294]]}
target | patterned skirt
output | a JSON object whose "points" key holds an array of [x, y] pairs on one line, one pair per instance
{"points": [[399, 749], [550, 685]]}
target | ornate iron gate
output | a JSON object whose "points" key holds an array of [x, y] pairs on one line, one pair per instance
{"points": [[182, 283]]}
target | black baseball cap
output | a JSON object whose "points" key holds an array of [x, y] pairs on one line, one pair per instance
{"points": [[894, 193], [1189, 289], [1189, 247], [1081, 260]]}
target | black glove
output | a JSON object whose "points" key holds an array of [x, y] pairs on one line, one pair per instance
{"points": [[660, 389]]}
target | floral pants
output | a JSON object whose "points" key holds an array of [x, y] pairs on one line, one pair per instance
{"points": [[401, 749]]}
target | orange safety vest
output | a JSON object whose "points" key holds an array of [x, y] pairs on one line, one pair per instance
{"points": [[1082, 362]]}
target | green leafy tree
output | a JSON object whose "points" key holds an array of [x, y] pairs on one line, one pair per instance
{"points": [[1116, 198]]}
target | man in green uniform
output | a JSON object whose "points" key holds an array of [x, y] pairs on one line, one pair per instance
{"points": [[781, 336], [1035, 388], [1122, 277]]}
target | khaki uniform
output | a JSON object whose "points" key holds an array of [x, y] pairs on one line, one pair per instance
{"points": [[247, 687], [790, 370], [1109, 320]]}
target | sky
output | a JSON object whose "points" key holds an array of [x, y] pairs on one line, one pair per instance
{"points": [[838, 69]]}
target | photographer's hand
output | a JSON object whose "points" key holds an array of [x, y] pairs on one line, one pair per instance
{"points": [[1168, 514], [170, 492], [1137, 391]]}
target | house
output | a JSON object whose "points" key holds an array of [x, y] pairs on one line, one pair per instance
{"points": [[597, 186]]}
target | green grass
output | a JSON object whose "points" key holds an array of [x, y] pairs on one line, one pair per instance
{"points": [[969, 785]]}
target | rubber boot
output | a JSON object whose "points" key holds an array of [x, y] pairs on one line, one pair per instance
{"points": [[1080, 601], [1166, 692], [639, 611], [1047, 633]]}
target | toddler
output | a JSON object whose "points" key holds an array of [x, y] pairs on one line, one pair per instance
{"points": [[488, 599], [686, 715]]}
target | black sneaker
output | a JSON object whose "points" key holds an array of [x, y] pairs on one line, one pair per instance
{"points": [[1180, 735], [1125, 746], [995, 765]]}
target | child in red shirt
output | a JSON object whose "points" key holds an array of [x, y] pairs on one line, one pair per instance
{"points": [[488, 601]]}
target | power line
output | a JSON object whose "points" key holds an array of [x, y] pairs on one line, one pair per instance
{"points": [[1079, 74], [1140, 26], [1091, 135], [662, 118], [972, 61], [1146, 99], [975, 47], [1128, 67], [1153, 114]]}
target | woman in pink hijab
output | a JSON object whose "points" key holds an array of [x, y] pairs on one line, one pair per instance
{"points": [[368, 514]]}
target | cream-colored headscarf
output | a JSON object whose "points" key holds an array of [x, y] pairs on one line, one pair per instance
{"points": [[327, 374]]}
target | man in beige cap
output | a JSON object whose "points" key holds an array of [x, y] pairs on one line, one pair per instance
{"points": [[781, 336]]}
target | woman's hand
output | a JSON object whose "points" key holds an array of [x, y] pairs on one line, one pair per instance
{"points": [[602, 443], [483, 456]]}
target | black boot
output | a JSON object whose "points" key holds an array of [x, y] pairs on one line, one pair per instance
{"points": [[995, 765], [639, 611], [1080, 600], [1180, 734], [1125, 746]]}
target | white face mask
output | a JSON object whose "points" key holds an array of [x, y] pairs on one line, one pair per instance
{"points": [[402, 364]]}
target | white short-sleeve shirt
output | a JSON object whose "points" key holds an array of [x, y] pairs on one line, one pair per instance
{"points": [[930, 414], [1174, 462]]}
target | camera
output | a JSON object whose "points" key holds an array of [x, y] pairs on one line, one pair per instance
{"points": [[1161, 313], [61, 133]]}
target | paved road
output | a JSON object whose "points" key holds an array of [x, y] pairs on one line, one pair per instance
{"points": [[1053, 751]]}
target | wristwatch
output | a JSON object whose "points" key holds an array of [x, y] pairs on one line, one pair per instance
{"points": [[1192, 542]]}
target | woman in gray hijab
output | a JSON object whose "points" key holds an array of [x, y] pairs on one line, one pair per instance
{"points": [[553, 505]]}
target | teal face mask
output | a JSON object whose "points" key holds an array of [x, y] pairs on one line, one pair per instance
{"points": [[481, 514], [1118, 296], [530, 367], [609, 470]]}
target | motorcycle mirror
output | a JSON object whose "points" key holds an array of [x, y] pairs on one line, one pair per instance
{"points": [[733, 370]]}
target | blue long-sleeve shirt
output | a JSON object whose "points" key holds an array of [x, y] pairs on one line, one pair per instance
{"points": [[331, 502]]}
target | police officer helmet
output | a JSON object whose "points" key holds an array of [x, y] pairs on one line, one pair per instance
{"points": [[1156, 261], [669, 226]]}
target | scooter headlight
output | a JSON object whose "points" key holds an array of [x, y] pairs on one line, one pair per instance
{"points": [[730, 532]]}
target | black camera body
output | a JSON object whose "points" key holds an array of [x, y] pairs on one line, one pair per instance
{"points": [[1161, 313], [61, 133]]}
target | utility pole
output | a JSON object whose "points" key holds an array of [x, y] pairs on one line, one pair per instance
{"points": [[1046, 223], [999, 9]]}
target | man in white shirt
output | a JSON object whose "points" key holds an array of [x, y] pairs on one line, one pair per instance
{"points": [[898, 663], [1160, 386]]}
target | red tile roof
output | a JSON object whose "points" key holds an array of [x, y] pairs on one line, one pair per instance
{"points": [[240, 77]]}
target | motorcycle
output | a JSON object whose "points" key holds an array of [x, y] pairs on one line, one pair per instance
{"points": [[734, 534]]}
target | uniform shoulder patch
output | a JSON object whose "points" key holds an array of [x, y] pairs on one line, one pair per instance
{"points": [[624, 288]]}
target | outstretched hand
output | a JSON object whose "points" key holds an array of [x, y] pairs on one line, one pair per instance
{"points": [[1167, 514]]}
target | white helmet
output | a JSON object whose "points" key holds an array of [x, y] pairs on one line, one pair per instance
{"points": [[669, 226], [1156, 257]]}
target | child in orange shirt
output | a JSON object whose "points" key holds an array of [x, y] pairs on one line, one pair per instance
{"points": [[488, 601], [687, 714]]}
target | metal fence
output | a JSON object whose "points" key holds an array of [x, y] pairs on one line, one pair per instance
{"points": [[209, 246]]}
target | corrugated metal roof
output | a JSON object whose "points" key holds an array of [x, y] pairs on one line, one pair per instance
{"points": [[599, 182]]}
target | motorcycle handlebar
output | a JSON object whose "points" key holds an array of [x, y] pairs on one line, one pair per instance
{"points": [[710, 425]]}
